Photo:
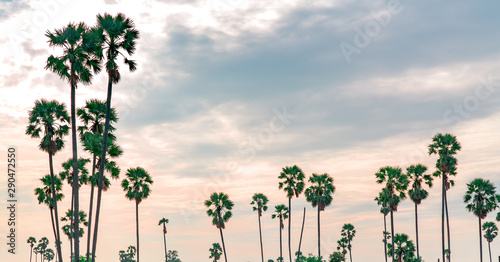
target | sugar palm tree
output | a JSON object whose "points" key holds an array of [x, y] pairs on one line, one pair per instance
{"points": [[481, 199], [342, 246], [31, 241], [282, 213], [219, 208], [215, 251], [49, 119], [393, 193], [293, 184], [163, 222], [136, 185], [404, 250], [445, 146], [48, 254], [417, 193], [348, 232], [319, 194], [490, 232], [259, 201], [117, 35], [43, 243]]}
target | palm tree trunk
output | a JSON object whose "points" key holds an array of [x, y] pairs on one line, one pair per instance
{"points": [[480, 242], [137, 227], [71, 232], [53, 225], [261, 246], [416, 229], [165, 240], [319, 232], [447, 224], [101, 166], [31, 252], [54, 201], [281, 243], [392, 234], [385, 238], [489, 248], [90, 209], [75, 171], [442, 216], [223, 245], [301, 232], [289, 227]]}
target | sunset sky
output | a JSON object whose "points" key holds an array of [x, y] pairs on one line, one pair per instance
{"points": [[228, 92]]}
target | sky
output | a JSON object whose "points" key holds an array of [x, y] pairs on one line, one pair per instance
{"points": [[228, 92]]}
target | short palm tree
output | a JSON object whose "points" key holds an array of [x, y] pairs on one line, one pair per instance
{"points": [[282, 213], [219, 208], [49, 119], [481, 199], [348, 232], [446, 146], [163, 222], [215, 251], [31, 241], [490, 232], [393, 193], [136, 185], [117, 35], [319, 194], [417, 193], [259, 201], [404, 250], [293, 184]]}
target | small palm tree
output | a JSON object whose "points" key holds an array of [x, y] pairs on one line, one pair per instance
{"points": [[281, 212], [404, 250], [127, 256], [320, 194], [49, 254], [259, 201], [293, 185], [480, 199], [43, 243], [215, 251], [31, 241], [490, 232], [417, 193], [136, 185], [219, 208], [342, 246], [348, 232], [163, 222]]}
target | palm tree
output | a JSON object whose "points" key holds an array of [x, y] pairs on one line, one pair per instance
{"points": [[480, 199], [490, 232], [219, 208], [393, 192], [136, 185], [404, 250], [446, 146], [49, 119], [293, 185], [31, 241], [417, 193], [342, 246], [260, 202], [48, 254], [43, 243], [215, 251], [282, 213], [348, 232], [116, 36], [69, 230], [36, 250], [75, 65], [164, 223], [320, 195]]}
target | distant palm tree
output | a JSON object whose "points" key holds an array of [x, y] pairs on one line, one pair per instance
{"points": [[136, 185], [31, 241], [75, 65], [404, 250], [446, 146], [293, 185], [117, 35], [481, 199], [490, 232], [49, 119], [281, 212], [48, 254], [320, 194], [163, 222], [342, 246], [259, 201], [219, 208], [417, 193], [215, 251], [36, 250], [393, 193], [43, 243], [348, 232]]}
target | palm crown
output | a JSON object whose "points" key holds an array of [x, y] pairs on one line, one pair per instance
{"points": [[446, 146], [219, 209], [480, 197], [83, 173], [395, 182], [416, 176], [136, 184], [293, 183], [321, 191], [490, 231], [281, 212], [259, 201], [163, 222], [44, 194], [215, 251]]}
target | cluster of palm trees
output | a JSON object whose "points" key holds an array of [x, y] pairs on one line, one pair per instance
{"points": [[46, 254]]}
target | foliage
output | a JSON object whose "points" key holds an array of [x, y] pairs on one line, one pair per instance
{"points": [[259, 201], [281, 212], [490, 231], [293, 181], [127, 256], [416, 176], [173, 256], [321, 191], [480, 197], [215, 251], [219, 209], [136, 184], [44, 194], [404, 249], [446, 146], [337, 257], [82, 220], [396, 184]]}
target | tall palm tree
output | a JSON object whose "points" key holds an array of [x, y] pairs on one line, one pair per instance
{"points": [[219, 208], [446, 146], [393, 193], [76, 65], [348, 232], [116, 35], [404, 250], [481, 199], [31, 241], [320, 195], [417, 193], [136, 185], [282, 213], [490, 232], [49, 119], [163, 222], [293, 185], [215, 251], [259, 201]]}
